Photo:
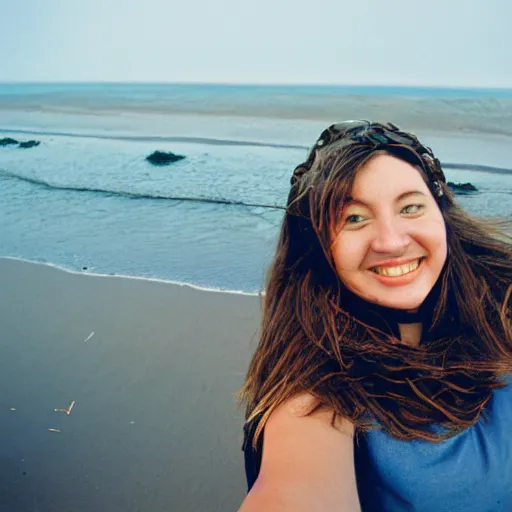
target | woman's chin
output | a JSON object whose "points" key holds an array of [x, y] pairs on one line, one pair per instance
{"points": [[411, 304], [405, 307]]}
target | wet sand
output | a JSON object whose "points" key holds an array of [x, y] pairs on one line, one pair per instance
{"points": [[154, 426]]}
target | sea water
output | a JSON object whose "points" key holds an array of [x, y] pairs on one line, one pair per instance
{"points": [[87, 200]]}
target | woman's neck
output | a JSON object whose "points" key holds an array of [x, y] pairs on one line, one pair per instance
{"points": [[410, 334]]}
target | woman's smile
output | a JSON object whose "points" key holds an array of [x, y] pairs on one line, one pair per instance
{"points": [[398, 275]]}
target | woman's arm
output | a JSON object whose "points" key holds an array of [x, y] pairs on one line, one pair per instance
{"points": [[307, 464]]}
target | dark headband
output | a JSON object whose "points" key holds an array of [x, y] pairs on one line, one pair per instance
{"points": [[383, 136]]}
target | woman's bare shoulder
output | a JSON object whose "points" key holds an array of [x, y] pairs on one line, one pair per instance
{"points": [[307, 463], [305, 406]]}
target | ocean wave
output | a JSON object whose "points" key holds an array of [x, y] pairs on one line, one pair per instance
{"points": [[151, 138], [477, 167], [131, 194], [229, 142]]}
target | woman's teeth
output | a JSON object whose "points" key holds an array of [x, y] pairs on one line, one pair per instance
{"points": [[399, 270]]}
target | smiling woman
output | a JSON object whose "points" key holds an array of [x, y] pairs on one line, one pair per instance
{"points": [[391, 235], [381, 379]]}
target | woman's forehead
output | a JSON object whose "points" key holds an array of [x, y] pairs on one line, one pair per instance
{"points": [[386, 175]]}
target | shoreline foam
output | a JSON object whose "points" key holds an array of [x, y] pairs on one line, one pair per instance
{"points": [[180, 284]]}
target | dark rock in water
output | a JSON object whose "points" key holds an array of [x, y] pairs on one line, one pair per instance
{"points": [[163, 158], [462, 188], [7, 141], [84, 268], [29, 144]]}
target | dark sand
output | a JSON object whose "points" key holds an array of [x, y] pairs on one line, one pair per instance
{"points": [[154, 427]]}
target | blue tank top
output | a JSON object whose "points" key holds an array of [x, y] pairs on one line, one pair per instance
{"points": [[470, 472]]}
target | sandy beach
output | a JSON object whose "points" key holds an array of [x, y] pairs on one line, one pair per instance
{"points": [[151, 368], [118, 393]]}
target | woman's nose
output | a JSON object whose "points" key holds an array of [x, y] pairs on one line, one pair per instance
{"points": [[390, 237]]}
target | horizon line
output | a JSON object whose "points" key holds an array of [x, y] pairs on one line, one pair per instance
{"points": [[252, 84]]}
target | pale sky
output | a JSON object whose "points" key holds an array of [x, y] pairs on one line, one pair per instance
{"points": [[465, 43]]}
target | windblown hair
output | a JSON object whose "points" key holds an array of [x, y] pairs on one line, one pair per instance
{"points": [[310, 343]]}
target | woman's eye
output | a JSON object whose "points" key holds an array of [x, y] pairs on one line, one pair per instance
{"points": [[413, 208], [354, 219]]}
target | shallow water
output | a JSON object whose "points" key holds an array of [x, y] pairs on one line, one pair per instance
{"points": [[87, 199]]}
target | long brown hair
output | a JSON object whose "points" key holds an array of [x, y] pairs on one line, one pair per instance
{"points": [[310, 342]]}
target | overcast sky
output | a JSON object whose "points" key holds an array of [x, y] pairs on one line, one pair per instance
{"points": [[396, 42]]}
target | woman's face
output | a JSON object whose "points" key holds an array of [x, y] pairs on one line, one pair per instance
{"points": [[390, 245]]}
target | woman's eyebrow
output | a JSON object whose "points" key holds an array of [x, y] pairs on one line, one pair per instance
{"points": [[402, 196], [410, 193]]}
